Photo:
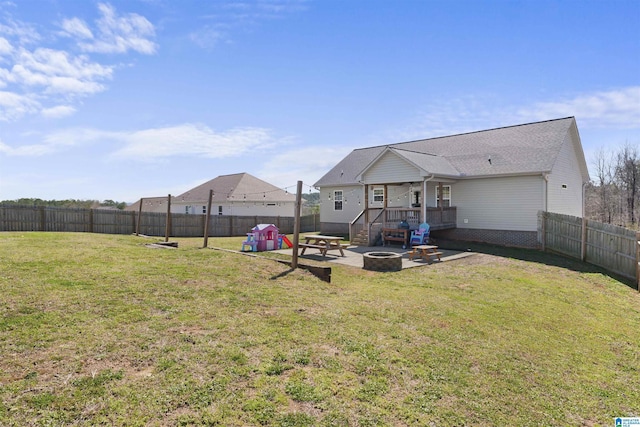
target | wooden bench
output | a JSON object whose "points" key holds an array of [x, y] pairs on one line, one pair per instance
{"points": [[323, 248]]}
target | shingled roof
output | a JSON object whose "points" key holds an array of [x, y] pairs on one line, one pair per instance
{"points": [[237, 187], [514, 150]]}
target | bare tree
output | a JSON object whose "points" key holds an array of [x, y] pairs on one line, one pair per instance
{"points": [[627, 175], [604, 205]]}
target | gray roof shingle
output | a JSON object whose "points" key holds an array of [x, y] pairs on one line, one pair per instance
{"points": [[521, 149], [237, 187]]}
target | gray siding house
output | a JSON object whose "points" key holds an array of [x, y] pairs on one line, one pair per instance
{"points": [[481, 186], [240, 194]]}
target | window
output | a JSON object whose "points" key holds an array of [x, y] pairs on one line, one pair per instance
{"points": [[446, 196], [378, 195], [219, 210], [204, 209], [337, 200], [186, 209]]}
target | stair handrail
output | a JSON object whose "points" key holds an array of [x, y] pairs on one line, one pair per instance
{"points": [[372, 222], [353, 222]]}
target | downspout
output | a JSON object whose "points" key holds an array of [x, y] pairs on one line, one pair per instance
{"points": [[424, 197], [545, 177]]}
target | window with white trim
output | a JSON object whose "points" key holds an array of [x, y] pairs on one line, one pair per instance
{"points": [[446, 196], [337, 200], [378, 195]]}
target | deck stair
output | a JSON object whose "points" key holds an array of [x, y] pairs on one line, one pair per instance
{"points": [[361, 239]]}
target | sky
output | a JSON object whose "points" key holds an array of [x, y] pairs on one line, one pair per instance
{"points": [[118, 100]]}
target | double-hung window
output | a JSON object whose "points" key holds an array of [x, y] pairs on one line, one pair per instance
{"points": [[378, 195], [337, 200], [446, 196]]}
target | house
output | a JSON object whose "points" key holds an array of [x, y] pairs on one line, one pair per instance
{"points": [[480, 186], [149, 204], [239, 194]]}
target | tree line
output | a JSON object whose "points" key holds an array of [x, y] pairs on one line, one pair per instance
{"points": [[68, 203], [613, 195]]}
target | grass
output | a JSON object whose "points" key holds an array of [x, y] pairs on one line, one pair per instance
{"points": [[98, 329]]}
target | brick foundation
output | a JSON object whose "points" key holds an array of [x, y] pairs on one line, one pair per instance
{"points": [[521, 239]]}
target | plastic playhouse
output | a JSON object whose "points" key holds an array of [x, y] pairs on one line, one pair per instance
{"points": [[265, 237]]}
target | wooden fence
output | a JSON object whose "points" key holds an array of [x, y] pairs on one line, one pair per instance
{"points": [[614, 248], [41, 218]]}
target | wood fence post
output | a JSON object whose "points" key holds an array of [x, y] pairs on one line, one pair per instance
{"points": [[544, 231], [583, 253], [167, 229], [296, 226], [207, 219], [638, 261], [43, 219], [139, 216], [90, 220]]}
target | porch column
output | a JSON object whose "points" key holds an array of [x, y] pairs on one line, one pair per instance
{"points": [[386, 196], [424, 201], [440, 190], [366, 205]]}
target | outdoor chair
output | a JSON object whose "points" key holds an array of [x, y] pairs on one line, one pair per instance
{"points": [[420, 236]]}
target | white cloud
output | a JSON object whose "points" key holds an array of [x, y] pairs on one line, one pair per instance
{"points": [[615, 109], [228, 17], [23, 32], [76, 27], [191, 140], [58, 111], [121, 33], [5, 47], [13, 106], [39, 79], [59, 72], [154, 144], [306, 164], [612, 109]]}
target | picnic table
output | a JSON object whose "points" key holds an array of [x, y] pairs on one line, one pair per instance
{"points": [[426, 252], [322, 243]]}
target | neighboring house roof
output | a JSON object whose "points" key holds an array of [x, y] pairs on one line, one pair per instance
{"points": [[147, 201], [236, 187], [514, 150]]}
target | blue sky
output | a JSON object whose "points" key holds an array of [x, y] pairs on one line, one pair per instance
{"points": [[127, 99]]}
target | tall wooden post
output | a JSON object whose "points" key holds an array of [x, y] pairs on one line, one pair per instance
{"points": [[167, 229], [139, 216], [638, 261], [296, 226], [207, 219], [583, 240]]}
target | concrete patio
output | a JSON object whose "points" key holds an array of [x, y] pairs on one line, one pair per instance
{"points": [[353, 255]]}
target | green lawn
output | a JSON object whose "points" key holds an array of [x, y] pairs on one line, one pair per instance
{"points": [[99, 329]]}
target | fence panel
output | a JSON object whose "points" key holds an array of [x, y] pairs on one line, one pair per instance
{"points": [[611, 247], [563, 233], [114, 221], [607, 246]]}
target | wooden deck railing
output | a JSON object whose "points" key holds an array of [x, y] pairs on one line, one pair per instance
{"points": [[437, 218]]}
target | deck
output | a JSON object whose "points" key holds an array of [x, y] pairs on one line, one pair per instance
{"points": [[361, 232]]}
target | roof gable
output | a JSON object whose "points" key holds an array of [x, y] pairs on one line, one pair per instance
{"points": [[522, 149], [237, 187]]}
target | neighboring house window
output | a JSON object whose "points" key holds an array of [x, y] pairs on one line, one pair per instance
{"points": [[204, 209], [378, 195], [186, 209], [446, 196], [337, 200], [219, 210]]}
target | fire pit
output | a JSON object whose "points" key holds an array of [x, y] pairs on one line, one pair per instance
{"points": [[382, 261]]}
